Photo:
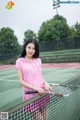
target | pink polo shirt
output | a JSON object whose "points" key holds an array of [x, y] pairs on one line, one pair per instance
{"points": [[31, 73]]}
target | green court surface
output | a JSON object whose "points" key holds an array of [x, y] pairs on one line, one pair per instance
{"points": [[10, 90]]}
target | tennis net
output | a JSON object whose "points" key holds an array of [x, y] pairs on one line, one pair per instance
{"points": [[49, 107]]}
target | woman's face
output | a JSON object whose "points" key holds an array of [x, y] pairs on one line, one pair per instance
{"points": [[30, 49]]}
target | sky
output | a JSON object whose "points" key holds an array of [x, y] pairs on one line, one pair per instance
{"points": [[30, 14]]}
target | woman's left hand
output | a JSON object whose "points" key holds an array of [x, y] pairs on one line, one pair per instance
{"points": [[47, 87]]}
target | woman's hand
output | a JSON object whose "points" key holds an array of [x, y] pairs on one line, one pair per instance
{"points": [[40, 90], [47, 87]]}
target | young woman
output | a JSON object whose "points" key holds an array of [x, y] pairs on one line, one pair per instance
{"points": [[29, 72]]}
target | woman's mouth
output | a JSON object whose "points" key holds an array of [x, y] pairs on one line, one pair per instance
{"points": [[30, 53]]}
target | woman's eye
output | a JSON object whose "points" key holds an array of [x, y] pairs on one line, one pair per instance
{"points": [[29, 47]]}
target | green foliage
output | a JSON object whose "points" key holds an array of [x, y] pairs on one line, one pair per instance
{"points": [[54, 28], [77, 29], [8, 41], [29, 34], [7, 37], [74, 30], [71, 31]]}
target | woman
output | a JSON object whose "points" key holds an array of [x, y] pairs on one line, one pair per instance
{"points": [[29, 72]]}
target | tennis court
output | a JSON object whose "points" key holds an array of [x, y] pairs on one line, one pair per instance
{"points": [[11, 94]]}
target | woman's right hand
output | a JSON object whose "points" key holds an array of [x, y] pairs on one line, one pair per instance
{"points": [[40, 90]]}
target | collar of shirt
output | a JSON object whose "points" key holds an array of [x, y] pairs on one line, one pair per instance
{"points": [[25, 60]]}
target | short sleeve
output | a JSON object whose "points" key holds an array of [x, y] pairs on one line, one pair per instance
{"points": [[40, 62], [17, 65]]}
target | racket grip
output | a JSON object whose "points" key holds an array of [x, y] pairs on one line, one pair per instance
{"points": [[31, 92]]}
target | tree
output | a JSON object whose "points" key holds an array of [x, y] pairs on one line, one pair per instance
{"points": [[29, 34], [77, 29], [8, 41], [54, 28], [74, 30], [71, 31]]}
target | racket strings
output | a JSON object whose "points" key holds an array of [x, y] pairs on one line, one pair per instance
{"points": [[59, 90]]}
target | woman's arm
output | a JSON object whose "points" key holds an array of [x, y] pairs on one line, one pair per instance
{"points": [[25, 84], [21, 81]]}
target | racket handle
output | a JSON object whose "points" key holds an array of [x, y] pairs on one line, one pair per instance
{"points": [[59, 95], [31, 92]]}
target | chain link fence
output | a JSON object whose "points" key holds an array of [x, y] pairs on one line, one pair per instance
{"points": [[62, 44], [9, 53]]}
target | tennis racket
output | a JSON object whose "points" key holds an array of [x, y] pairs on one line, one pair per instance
{"points": [[68, 85], [57, 90]]}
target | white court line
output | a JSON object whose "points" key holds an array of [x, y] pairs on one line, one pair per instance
{"points": [[8, 76], [8, 80]]}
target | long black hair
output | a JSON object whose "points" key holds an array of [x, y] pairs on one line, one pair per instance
{"points": [[35, 42]]}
